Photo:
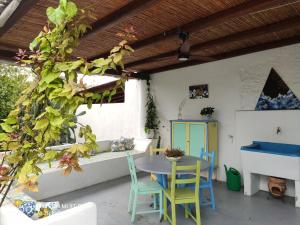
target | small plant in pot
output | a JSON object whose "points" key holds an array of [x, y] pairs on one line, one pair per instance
{"points": [[152, 120], [207, 113]]}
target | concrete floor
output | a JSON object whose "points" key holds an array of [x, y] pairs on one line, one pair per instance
{"points": [[232, 208]]}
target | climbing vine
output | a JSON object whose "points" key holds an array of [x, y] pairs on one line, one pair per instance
{"points": [[49, 105]]}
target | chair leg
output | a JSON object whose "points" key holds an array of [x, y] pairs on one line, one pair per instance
{"points": [[130, 200], [160, 204], [202, 197], [212, 197], [165, 207], [198, 218], [186, 215], [155, 201], [173, 206], [134, 206]]}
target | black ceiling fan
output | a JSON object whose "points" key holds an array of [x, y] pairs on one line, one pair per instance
{"points": [[184, 51]]}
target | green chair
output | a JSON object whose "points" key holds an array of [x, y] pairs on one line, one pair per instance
{"points": [[183, 196], [142, 188]]}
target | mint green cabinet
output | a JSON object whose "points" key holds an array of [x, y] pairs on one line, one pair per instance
{"points": [[197, 140], [179, 136], [193, 136]]}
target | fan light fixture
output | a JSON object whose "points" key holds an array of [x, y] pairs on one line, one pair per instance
{"points": [[182, 57]]}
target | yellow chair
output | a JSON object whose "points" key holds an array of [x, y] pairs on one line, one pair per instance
{"points": [[154, 151], [184, 196]]}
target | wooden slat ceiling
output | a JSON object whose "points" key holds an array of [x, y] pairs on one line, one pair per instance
{"points": [[218, 29]]}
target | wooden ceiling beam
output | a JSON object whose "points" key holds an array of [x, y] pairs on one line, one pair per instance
{"points": [[7, 55], [131, 9], [21, 10], [231, 54], [241, 36], [215, 19]]}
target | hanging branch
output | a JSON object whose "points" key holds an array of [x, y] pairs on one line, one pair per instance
{"points": [[49, 105]]}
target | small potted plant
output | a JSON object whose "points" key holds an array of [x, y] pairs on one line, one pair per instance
{"points": [[207, 112], [152, 120]]}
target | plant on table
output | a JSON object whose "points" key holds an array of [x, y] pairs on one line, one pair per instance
{"points": [[152, 120], [49, 105]]}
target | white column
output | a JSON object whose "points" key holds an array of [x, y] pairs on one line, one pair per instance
{"points": [[251, 183], [141, 98], [297, 193]]}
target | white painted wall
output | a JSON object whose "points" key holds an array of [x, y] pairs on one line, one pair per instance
{"points": [[234, 84], [111, 121]]}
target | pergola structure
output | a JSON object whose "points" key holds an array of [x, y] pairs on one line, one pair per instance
{"points": [[217, 29]]}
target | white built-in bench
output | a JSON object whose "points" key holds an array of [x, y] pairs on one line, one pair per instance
{"points": [[102, 167]]}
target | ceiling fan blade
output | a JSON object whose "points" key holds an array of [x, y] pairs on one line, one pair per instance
{"points": [[202, 58], [162, 59]]}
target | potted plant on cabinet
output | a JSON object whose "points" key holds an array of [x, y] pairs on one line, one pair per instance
{"points": [[152, 120], [49, 105], [207, 113]]}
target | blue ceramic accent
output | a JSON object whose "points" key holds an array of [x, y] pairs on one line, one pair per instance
{"points": [[28, 208], [273, 148]]}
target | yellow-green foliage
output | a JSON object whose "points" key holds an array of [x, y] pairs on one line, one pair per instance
{"points": [[50, 103]]}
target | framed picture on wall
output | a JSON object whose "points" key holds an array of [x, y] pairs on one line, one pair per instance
{"points": [[198, 91]]}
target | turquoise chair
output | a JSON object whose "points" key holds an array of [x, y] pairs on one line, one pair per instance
{"points": [[142, 188]]}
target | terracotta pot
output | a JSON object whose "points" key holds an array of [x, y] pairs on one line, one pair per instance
{"points": [[277, 186]]}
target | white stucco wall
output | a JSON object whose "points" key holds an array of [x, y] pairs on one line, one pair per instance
{"points": [[234, 84], [111, 121]]}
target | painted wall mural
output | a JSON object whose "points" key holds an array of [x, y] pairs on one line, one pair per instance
{"points": [[276, 95]]}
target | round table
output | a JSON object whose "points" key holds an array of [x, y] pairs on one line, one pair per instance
{"points": [[161, 166]]}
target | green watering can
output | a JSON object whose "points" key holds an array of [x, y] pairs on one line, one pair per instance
{"points": [[233, 179]]}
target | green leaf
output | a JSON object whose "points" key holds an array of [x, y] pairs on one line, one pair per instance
{"points": [[52, 111], [63, 3], [62, 66], [33, 44], [13, 158], [101, 62], [3, 137], [56, 16], [75, 64], [118, 57], [51, 76], [57, 121], [71, 10], [50, 155], [41, 124], [10, 120], [7, 128]]}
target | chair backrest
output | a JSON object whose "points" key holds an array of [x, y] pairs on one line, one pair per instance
{"points": [[190, 169], [210, 156], [154, 151], [132, 169]]}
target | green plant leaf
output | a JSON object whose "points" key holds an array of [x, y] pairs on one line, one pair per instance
{"points": [[71, 10], [51, 76], [56, 16], [7, 128], [50, 155], [10, 120], [3, 137], [41, 124]]}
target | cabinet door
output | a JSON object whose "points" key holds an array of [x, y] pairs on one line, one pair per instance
{"points": [[179, 135], [197, 138]]}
